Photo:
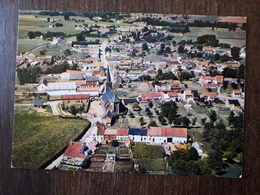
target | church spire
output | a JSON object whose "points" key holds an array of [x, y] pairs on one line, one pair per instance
{"points": [[108, 80]]}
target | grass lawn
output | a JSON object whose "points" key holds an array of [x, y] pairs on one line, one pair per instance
{"points": [[38, 138], [151, 164], [234, 170]]}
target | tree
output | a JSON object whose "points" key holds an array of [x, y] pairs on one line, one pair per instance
{"points": [[181, 49], [194, 121], [145, 46], [235, 52], [150, 104], [42, 52], [185, 121], [141, 120], [193, 154], [215, 161], [31, 35], [80, 37], [213, 116], [73, 110], [153, 124], [67, 52]]}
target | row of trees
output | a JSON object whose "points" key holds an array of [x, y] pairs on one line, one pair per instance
{"points": [[187, 162], [201, 23], [29, 75], [34, 34], [209, 40], [26, 75], [171, 26]]}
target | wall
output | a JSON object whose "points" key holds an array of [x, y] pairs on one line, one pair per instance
{"points": [[20, 181]]}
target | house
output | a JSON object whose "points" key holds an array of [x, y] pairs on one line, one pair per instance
{"points": [[109, 118], [188, 96], [170, 96], [48, 59], [176, 87], [158, 135], [72, 155], [197, 147], [167, 134], [232, 64], [150, 96], [237, 93], [75, 99], [61, 88], [209, 96], [42, 85], [211, 82], [116, 134], [188, 65], [233, 104], [72, 75]]}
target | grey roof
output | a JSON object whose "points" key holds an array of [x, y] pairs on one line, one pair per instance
{"points": [[235, 102], [92, 78], [44, 81], [37, 102], [109, 96]]}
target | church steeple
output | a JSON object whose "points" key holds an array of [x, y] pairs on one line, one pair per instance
{"points": [[108, 80]]}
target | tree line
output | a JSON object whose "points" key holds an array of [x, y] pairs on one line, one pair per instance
{"points": [[34, 34]]}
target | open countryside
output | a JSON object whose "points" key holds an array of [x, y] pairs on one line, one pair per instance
{"points": [[130, 93]]}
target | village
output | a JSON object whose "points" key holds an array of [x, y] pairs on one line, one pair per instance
{"points": [[142, 87]]}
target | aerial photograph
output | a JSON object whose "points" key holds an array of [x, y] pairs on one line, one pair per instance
{"points": [[133, 93]]}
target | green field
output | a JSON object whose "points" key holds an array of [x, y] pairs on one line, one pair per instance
{"points": [[25, 45], [38, 138]]}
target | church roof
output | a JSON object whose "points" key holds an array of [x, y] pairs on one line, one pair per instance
{"points": [[109, 96]]}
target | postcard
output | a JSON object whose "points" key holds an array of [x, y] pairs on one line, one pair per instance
{"points": [[135, 93]]}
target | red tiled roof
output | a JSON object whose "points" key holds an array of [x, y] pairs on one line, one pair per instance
{"points": [[73, 150], [167, 131], [100, 129], [209, 84], [122, 132], [110, 132], [210, 94], [87, 89], [237, 92], [74, 97], [172, 94], [75, 71], [188, 92], [219, 78], [150, 96], [80, 82]]}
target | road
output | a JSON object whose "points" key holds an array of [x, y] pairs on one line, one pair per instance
{"points": [[225, 97], [55, 108]]}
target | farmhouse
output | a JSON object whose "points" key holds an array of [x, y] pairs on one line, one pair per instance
{"points": [[152, 135], [42, 85], [72, 155], [209, 95]]}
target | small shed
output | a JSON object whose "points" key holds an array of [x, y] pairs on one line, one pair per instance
{"points": [[37, 103]]}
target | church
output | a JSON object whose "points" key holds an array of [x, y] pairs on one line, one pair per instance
{"points": [[109, 100]]}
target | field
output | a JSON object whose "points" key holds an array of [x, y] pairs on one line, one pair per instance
{"points": [[50, 135]]}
